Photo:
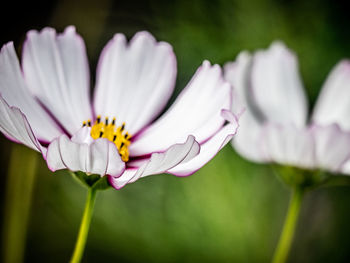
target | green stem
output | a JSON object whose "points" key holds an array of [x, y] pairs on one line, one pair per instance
{"points": [[18, 199], [286, 238], [84, 227]]}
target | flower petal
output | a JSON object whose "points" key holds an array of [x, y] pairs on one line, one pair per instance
{"points": [[14, 125], [135, 81], [14, 90], [99, 157], [332, 146], [159, 162], [277, 88], [238, 74], [346, 168], [333, 103], [248, 136], [196, 111], [208, 150], [57, 72], [289, 145]]}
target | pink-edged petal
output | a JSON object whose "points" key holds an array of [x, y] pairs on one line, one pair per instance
{"points": [[289, 145], [97, 157], [56, 70], [159, 162], [196, 111], [333, 103], [277, 88], [208, 150], [135, 80], [248, 136], [16, 93], [14, 125], [332, 147]]}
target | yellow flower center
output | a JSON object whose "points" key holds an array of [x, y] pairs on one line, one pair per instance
{"points": [[109, 130]]}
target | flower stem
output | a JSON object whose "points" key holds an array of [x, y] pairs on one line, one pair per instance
{"points": [[286, 238], [18, 199], [84, 227]]}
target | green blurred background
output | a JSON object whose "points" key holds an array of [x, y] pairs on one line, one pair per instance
{"points": [[229, 211]]}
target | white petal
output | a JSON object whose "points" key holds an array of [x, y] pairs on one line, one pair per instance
{"points": [[208, 150], [196, 111], [247, 141], [99, 157], [333, 103], [83, 136], [56, 70], [288, 145], [248, 136], [346, 168], [332, 147], [238, 74], [14, 125], [15, 91], [135, 81], [159, 162], [277, 88]]}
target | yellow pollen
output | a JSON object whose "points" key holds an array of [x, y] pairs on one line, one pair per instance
{"points": [[109, 130]]}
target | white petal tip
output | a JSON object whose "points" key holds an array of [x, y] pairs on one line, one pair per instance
{"points": [[70, 29], [206, 63], [144, 35], [7, 46], [278, 44], [279, 48], [344, 64]]}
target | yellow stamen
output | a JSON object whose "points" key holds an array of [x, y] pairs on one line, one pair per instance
{"points": [[117, 135]]}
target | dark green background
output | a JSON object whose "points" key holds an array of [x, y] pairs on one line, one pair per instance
{"points": [[231, 210]]}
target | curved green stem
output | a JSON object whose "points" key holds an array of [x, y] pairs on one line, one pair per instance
{"points": [[286, 238], [84, 227]]}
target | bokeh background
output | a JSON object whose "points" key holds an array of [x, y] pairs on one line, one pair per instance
{"points": [[229, 211]]}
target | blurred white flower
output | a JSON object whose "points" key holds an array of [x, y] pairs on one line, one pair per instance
{"points": [[275, 126], [45, 104]]}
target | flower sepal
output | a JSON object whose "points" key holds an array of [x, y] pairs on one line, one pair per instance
{"points": [[91, 181], [303, 178], [336, 180]]}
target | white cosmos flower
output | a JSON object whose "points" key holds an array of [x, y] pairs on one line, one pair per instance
{"points": [[45, 102], [275, 126]]}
